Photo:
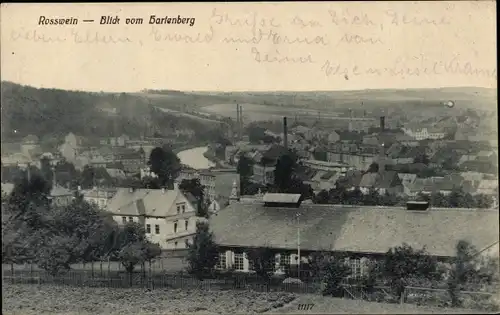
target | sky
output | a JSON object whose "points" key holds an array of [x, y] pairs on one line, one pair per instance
{"points": [[252, 46]]}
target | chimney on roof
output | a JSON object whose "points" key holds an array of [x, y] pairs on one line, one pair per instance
{"points": [[417, 205], [285, 133], [131, 190], [382, 123], [163, 190]]}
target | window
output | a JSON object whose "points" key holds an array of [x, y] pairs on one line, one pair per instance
{"points": [[157, 229], [238, 261], [148, 228], [175, 245], [183, 208], [175, 227], [285, 262], [130, 219], [178, 209], [284, 259], [355, 265], [124, 219], [186, 225], [221, 262], [186, 242]]}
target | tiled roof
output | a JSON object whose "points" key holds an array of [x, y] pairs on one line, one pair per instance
{"points": [[385, 179], [155, 201], [355, 229], [368, 180]]}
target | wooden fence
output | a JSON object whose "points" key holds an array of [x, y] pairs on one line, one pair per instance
{"points": [[146, 279], [154, 279]]}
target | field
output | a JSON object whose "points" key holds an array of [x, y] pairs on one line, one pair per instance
{"points": [[46, 299], [256, 112], [33, 299]]}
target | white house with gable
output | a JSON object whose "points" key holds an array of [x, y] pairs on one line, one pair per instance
{"points": [[168, 217]]}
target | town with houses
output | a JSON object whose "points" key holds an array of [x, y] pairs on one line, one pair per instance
{"points": [[365, 185]]}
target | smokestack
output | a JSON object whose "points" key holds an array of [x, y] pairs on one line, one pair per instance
{"points": [[382, 123], [285, 133], [241, 121], [238, 121]]}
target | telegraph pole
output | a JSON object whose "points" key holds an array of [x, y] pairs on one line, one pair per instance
{"points": [[298, 244]]}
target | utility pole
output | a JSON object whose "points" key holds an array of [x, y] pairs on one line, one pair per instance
{"points": [[298, 244]]}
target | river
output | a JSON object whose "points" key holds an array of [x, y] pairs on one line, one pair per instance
{"points": [[195, 159]]}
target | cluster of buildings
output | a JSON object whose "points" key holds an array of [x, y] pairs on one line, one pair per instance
{"points": [[121, 156], [407, 159]]}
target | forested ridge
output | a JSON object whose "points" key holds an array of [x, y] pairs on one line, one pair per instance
{"points": [[53, 112]]}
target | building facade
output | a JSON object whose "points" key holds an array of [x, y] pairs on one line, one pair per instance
{"points": [[168, 217]]}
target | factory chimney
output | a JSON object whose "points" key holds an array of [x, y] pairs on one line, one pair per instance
{"points": [[238, 131], [382, 123], [241, 121], [285, 133]]}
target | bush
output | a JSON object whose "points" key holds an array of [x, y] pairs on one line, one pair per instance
{"points": [[335, 272]]}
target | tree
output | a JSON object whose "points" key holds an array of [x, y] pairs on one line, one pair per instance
{"points": [[336, 270], [469, 269], [194, 187], [403, 264], [203, 252], [256, 134], [132, 247], [372, 198], [322, 197], [483, 201], [354, 197], [283, 174], [244, 167], [66, 174], [164, 163], [437, 199], [46, 169], [373, 168], [389, 199], [91, 176], [459, 199], [262, 260]]}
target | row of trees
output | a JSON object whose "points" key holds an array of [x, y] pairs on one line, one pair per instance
{"points": [[55, 237], [456, 199], [341, 195]]}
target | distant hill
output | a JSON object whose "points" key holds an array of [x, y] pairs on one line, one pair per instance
{"points": [[465, 97], [28, 110], [52, 113]]}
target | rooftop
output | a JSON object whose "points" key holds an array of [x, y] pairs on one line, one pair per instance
{"points": [[150, 202], [353, 228]]}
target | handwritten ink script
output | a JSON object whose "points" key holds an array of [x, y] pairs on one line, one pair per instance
{"points": [[339, 40]]}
